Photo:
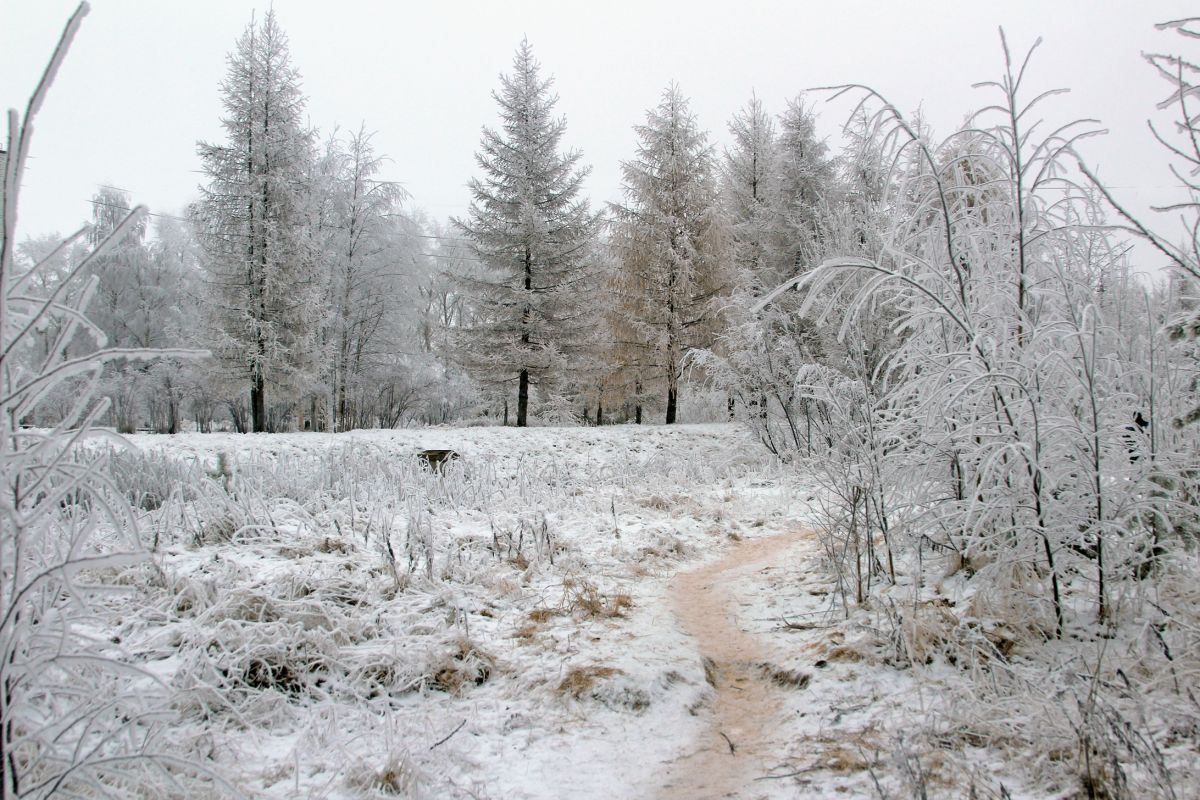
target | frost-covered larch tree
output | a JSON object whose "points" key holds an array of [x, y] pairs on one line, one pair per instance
{"points": [[534, 235], [669, 239], [263, 286]]}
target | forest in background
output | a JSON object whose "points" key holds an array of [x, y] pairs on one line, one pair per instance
{"points": [[330, 301]]}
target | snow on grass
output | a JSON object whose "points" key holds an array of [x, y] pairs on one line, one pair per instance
{"points": [[337, 620], [927, 695]]}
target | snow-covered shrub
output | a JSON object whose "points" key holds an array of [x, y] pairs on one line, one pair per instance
{"points": [[1014, 386], [1007, 457]]}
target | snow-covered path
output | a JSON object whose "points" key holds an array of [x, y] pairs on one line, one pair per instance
{"points": [[739, 743]]}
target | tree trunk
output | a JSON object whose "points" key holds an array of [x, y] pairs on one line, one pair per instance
{"points": [[523, 384], [342, 406], [672, 399], [523, 399], [258, 403], [599, 413]]}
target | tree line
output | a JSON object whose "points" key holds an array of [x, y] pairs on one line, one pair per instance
{"points": [[327, 302]]}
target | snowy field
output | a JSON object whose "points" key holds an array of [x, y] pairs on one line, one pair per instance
{"points": [[622, 612], [341, 622]]}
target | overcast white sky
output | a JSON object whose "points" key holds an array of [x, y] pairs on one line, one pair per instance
{"points": [[141, 84]]}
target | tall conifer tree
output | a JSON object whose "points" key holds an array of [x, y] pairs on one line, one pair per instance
{"points": [[751, 197], [251, 221], [671, 246], [807, 186], [534, 235]]}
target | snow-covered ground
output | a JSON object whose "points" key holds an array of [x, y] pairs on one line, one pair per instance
{"points": [[540, 638], [621, 612]]}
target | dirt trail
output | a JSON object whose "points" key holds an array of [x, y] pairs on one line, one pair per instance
{"points": [[735, 748]]}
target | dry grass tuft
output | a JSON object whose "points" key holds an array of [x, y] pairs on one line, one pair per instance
{"points": [[787, 678], [605, 685], [584, 599], [928, 629], [543, 614], [655, 502], [844, 654], [665, 545], [580, 681], [581, 598], [841, 758], [332, 545], [398, 777], [462, 668]]}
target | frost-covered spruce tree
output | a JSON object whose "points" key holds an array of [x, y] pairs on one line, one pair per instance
{"points": [[670, 242], [263, 289], [534, 235], [750, 196], [807, 185]]}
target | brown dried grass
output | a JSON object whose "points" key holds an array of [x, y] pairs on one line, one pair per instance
{"points": [[579, 681]]}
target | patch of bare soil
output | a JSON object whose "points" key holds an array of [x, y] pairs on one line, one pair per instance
{"points": [[737, 746]]}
